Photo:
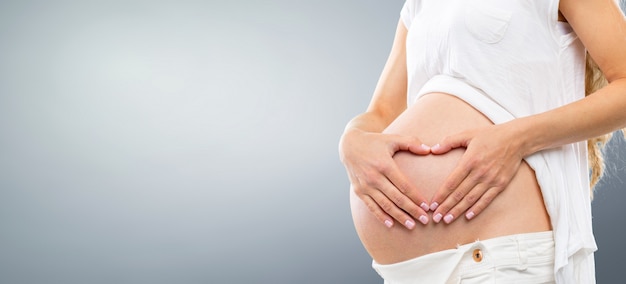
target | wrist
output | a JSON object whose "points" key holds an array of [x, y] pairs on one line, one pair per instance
{"points": [[527, 137], [347, 140]]}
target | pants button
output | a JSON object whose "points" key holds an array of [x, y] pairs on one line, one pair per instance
{"points": [[477, 255]]}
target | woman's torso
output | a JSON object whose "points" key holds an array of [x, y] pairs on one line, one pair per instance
{"points": [[518, 209]]}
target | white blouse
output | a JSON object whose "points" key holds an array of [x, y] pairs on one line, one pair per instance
{"points": [[510, 59]]}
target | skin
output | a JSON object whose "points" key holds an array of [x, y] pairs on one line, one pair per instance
{"points": [[493, 153], [519, 209], [367, 153]]}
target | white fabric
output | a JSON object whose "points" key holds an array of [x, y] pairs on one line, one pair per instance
{"points": [[510, 59], [523, 258]]}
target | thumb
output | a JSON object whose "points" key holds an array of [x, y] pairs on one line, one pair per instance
{"points": [[452, 142], [412, 144]]}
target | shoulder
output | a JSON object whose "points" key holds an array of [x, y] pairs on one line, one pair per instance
{"points": [[409, 10]]}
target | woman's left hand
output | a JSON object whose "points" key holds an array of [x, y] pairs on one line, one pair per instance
{"points": [[493, 155]]}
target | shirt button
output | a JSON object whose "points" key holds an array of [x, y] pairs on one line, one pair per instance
{"points": [[477, 255]]}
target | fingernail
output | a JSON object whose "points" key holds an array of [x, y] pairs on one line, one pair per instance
{"points": [[436, 147], [425, 147], [409, 224], [448, 218], [388, 223], [425, 206], [469, 215], [437, 218], [434, 206], [423, 219]]}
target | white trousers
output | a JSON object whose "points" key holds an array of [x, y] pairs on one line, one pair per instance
{"points": [[523, 258]]}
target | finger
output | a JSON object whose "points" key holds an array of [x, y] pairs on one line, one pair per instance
{"points": [[456, 194], [422, 149], [408, 189], [483, 202], [460, 173], [377, 211], [386, 198], [364, 194], [466, 202], [390, 208], [442, 209], [451, 142], [404, 210], [408, 143]]}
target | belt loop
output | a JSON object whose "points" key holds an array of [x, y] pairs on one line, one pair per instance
{"points": [[522, 250]]}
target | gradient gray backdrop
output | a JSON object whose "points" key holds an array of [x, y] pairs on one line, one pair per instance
{"points": [[195, 141]]}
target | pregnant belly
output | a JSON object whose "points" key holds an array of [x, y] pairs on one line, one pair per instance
{"points": [[518, 209]]}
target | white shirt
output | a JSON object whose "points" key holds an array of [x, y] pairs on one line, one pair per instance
{"points": [[510, 59]]}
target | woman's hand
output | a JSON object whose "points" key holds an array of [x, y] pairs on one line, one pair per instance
{"points": [[492, 157], [376, 179]]}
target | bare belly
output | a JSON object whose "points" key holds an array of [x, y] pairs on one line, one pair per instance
{"points": [[518, 209]]}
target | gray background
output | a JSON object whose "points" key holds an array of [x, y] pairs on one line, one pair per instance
{"points": [[196, 141]]}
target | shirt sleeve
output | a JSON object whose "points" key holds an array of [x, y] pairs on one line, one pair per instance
{"points": [[408, 12]]}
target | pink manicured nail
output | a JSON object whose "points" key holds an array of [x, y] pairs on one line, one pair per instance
{"points": [[434, 206], [409, 224], [435, 148], [425, 147], [388, 223], [425, 206], [448, 218], [469, 215], [423, 219], [437, 218]]}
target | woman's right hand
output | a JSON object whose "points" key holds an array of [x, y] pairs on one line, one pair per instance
{"points": [[376, 179]]}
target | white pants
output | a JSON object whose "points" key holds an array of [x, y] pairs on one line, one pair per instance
{"points": [[523, 258]]}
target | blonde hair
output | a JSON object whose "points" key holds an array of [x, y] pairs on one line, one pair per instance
{"points": [[594, 80]]}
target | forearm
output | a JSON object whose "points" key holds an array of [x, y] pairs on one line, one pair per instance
{"points": [[600, 113], [389, 98], [368, 122]]}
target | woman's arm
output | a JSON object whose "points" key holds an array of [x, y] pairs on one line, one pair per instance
{"points": [[367, 153], [494, 153]]}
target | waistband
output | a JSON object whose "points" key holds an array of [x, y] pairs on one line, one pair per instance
{"points": [[520, 250]]}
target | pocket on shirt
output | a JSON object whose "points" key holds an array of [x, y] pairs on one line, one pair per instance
{"points": [[486, 23]]}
